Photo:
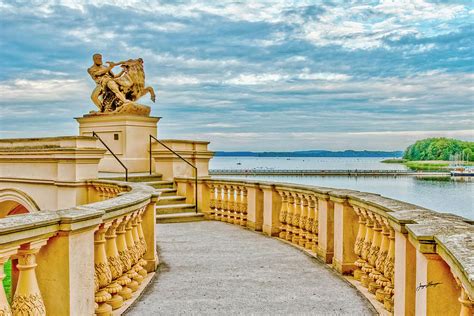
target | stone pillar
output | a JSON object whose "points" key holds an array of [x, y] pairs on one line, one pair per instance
{"points": [[255, 207], [345, 232], [436, 290], [148, 225], [204, 195], [405, 275], [127, 136], [67, 266], [271, 209], [325, 249]]}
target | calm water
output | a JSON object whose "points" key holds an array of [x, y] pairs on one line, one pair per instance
{"points": [[441, 196], [303, 163]]}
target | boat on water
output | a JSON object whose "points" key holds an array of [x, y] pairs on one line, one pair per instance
{"points": [[462, 172]]}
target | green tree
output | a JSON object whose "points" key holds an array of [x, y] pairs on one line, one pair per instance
{"points": [[439, 149]]}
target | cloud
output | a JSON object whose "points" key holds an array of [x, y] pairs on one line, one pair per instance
{"points": [[21, 90], [279, 74]]}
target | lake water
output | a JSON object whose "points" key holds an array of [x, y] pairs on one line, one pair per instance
{"points": [[442, 196]]}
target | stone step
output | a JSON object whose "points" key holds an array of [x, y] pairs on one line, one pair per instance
{"points": [[161, 184], [141, 178], [174, 208], [167, 191], [171, 200], [179, 218]]}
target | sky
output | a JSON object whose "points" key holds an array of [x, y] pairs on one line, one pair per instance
{"points": [[257, 75]]}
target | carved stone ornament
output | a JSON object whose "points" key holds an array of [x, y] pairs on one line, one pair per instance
{"points": [[117, 93], [28, 305]]}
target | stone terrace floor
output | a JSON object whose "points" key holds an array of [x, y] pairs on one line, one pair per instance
{"points": [[213, 268]]}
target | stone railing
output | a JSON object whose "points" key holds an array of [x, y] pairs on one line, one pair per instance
{"points": [[405, 259], [104, 190], [83, 260]]}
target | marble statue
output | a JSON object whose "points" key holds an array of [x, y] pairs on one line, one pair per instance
{"points": [[117, 93]]}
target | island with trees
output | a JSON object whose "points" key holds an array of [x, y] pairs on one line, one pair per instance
{"points": [[437, 154]]}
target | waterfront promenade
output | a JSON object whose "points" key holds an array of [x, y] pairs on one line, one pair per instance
{"points": [[213, 268]]}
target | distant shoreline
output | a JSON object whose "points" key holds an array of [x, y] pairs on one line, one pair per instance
{"points": [[313, 153]]}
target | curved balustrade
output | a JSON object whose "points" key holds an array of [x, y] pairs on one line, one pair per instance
{"points": [[78, 261], [104, 190], [404, 258]]}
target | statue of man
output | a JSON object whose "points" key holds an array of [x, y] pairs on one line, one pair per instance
{"points": [[105, 78]]}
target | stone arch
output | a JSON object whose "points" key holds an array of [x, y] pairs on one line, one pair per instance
{"points": [[13, 201]]}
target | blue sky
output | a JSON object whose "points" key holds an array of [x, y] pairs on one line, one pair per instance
{"points": [[280, 75]]}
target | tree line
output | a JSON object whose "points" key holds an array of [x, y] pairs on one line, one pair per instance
{"points": [[440, 149]]}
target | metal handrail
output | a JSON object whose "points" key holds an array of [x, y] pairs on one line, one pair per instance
{"points": [[115, 156], [183, 159]]}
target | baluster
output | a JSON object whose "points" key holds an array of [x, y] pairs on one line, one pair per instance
{"points": [[219, 203], [126, 259], [359, 242], [141, 235], [237, 205], [366, 247], [138, 247], [289, 216], [5, 254], [375, 253], [107, 192], [27, 299], [371, 256], [100, 193], [296, 219], [115, 266], [304, 234], [132, 251], [225, 203], [120, 253], [231, 205], [389, 273], [283, 212], [310, 237], [212, 201], [243, 207], [102, 272], [314, 226], [379, 263]]}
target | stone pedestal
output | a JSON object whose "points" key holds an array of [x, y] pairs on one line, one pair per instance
{"points": [[126, 135]]}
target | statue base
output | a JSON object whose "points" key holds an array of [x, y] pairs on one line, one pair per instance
{"points": [[127, 135], [130, 108]]}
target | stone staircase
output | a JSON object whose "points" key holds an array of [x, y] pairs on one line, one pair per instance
{"points": [[171, 207]]}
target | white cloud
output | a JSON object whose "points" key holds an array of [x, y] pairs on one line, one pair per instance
{"points": [[256, 79], [358, 27], [221, 125], [324, 76], [21, 90]]}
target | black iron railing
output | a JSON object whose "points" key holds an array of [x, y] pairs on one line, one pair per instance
{"points": [[183, 159], [113, 154]]}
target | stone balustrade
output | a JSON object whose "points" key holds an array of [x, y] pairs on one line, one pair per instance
{"points": [[104, 190], [405, 259], [83, 260]]}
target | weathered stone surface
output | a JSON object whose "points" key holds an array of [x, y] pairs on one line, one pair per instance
{"points": [[210, 268]]}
